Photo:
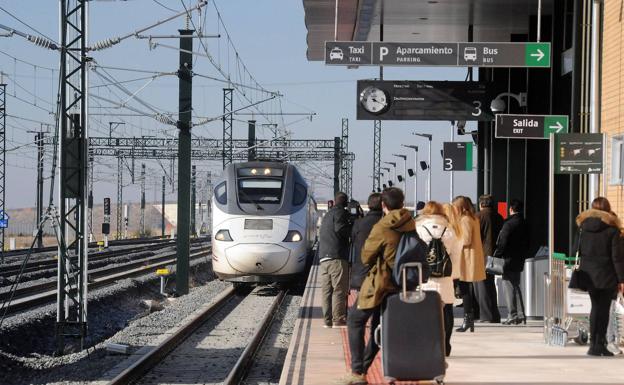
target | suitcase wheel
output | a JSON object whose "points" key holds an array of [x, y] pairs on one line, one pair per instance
{"points": [[439, 380]]}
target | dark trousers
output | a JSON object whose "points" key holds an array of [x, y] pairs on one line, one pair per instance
{"points": [[485, 292], [599, 315], [362, 356], [449, 320], [465, 288], [513, 294]]}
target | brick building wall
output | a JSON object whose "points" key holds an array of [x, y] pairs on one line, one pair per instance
{"points": [[612, 119]]}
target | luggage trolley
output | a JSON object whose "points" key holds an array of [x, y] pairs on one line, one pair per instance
{"points": [[566, 312]]}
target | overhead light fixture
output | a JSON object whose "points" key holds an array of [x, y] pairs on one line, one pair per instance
{"points": [[498, 104], [423, 18]]}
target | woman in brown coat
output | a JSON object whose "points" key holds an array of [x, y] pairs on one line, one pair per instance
{"points": [[472, 260]]}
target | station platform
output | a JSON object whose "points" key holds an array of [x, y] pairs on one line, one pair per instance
{"points": [[493, 354]]}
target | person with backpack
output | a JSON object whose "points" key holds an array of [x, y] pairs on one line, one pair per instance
{"points": [[361, 229], [443, 252], [378, 254]]}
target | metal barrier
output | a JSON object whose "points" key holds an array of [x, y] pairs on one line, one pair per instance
{"points": [[565, 311]]}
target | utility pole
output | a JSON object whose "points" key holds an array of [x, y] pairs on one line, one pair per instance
{"points": [[142, 225], [337, 163], [185, 107], [227, 125], [209, 201], [193, 200], [39, 137], [251, 140], [90, 199], [118, 230], [162, 213], [377, 123], [71, 312], [2, 161]]}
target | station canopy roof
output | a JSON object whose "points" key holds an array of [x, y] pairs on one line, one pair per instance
{"points": [[416, 20]]}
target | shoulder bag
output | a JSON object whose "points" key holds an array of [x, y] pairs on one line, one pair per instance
{"points": [[494, 265], [579, 279]]}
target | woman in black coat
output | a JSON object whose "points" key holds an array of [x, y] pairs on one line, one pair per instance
{"points": [[602, 260]]}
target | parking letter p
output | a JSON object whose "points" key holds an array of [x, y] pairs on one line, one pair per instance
{"points": [[383, 51]]}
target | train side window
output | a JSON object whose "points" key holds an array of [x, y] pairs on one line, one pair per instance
{"points": [[300, 194], [220, 193]]}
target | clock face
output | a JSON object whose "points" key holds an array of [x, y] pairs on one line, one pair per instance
{"points": [[374, 100]]}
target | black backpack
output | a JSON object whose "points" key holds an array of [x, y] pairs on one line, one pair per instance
{"points": [[437, 257], [411, 248]]}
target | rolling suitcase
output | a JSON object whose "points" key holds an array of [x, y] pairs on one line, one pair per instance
{"points": [[411, 334]]}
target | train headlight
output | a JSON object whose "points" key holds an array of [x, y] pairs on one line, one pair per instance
{"points": [[293, 236], [223, 235]]}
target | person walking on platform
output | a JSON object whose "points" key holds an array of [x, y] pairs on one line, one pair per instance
{"points": [[490, 223], [512, 245], [601, 254], [432, 224], [361, 228], [334, 262], [472, 261], [378, 254]]}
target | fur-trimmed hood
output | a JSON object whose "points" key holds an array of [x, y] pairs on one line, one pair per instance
{"points": [[596, 220]]}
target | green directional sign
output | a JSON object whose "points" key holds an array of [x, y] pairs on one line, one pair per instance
{"points": [[537, 54], [530, 126], [555, 124], [457, 156]]}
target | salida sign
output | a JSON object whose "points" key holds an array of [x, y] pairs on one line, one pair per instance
{"points": [[530, 126]]}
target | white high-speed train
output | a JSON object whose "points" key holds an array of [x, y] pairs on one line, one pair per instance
{"points": [[263, 223]]}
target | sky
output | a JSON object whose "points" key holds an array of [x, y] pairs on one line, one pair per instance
{"points": [[269, 38]]}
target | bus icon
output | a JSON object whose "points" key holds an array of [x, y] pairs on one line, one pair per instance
{"points": [[470, 54]]}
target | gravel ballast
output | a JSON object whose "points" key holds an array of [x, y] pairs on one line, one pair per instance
{"points": [[116, 312]]}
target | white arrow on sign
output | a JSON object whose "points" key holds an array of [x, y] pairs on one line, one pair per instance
{"points": [[557, 127], [539, 55]]}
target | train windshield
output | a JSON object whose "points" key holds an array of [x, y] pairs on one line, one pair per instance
{"points": [[261, 190]]}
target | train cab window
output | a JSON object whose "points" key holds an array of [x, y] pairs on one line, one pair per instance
{"points": [[261, 190], [220, 193], [300, 194]]}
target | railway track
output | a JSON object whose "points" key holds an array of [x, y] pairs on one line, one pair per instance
{"points": [[95, 258], [36, 295], [192, 341], [120, 242]]}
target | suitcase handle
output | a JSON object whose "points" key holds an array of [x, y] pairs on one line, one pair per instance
{"points": [[412, 296], [377, 335]]}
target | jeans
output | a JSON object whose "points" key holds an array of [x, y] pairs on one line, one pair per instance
{"points": [[334, 288], [485, 292], [362, 356], [465, 289], [449, 320], [513, 294], [599, 315]]}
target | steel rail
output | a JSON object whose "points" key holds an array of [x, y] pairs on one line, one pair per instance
{"points": [[46, 293], [244, 361], [6, 271], [156, 355]]}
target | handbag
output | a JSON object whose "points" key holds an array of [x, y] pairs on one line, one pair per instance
{"points": [[494, 265], [578, 280]]}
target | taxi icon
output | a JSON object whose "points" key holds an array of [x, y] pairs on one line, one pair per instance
{"points": [[336, 54]]}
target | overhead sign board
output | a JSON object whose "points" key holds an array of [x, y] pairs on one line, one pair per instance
{"points": [[530, 126], [579, 153], [348, 53], [457, 156], [495, 54], [424, 100], [4, 220]]}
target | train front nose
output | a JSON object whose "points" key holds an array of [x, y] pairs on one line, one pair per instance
{"points": [[257, 258]]}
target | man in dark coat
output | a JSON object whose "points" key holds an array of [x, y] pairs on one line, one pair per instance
{"points": [[512, 245], [491, 223], [334, 262], [361, 228]]}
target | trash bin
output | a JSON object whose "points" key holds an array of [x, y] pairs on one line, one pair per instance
{"points": [[532, 283]]}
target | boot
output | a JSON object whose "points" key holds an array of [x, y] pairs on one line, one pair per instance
{"points": [[598, 347], [468, 324]]}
